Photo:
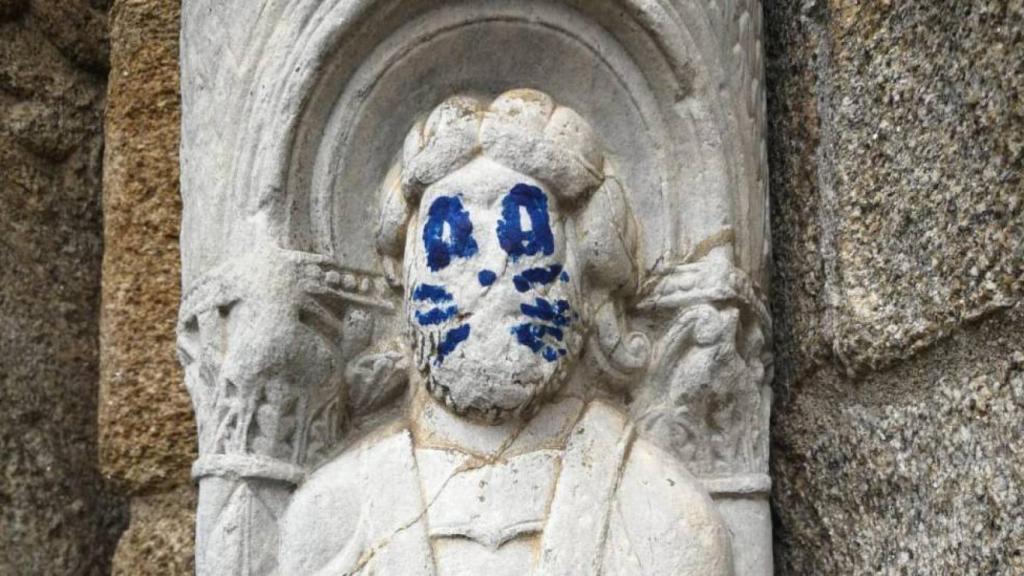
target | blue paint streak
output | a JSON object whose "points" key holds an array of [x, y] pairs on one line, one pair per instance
{"points": [[531, 276], [436, 315], [447, 210], [526, 336], [564, 277], [533, 335], [543, 309], [431, 293], [451, 341], [486, 277], [513, 239]]}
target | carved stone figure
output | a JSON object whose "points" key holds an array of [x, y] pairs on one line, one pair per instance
{"points": [[436, 326], [512, 235]]}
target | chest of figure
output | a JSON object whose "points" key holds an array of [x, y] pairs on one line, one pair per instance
{"points": [[486, 518]]}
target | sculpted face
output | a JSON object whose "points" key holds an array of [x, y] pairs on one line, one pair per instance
{"points": [[492, 295]]}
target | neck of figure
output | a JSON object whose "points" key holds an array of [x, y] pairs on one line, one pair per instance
{"points": [[435, 427]]}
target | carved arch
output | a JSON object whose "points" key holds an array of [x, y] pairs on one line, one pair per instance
{"points": [[690, 70]]}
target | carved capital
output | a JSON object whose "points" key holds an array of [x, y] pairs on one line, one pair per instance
{"points": [[267, 342], [707, 399]]}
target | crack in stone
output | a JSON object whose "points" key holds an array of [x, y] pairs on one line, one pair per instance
{"points": [[475, 462]]}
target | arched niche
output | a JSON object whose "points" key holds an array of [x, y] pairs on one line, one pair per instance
{"points": [[336, 90], [293, 111]]}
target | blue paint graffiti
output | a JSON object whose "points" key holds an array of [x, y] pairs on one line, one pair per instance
{"points": [[431, 293], [486, 277], [533, 335], [447, 211], [543, 309], [526, 278], [451, 341], [537, 237], [435, 295], [436, 315], [550, 355]]}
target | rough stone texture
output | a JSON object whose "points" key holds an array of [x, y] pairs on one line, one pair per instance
{"points": [[896, 161], [160, 539], [57, 515], [926, 105], [147, 436], [918, 470]]}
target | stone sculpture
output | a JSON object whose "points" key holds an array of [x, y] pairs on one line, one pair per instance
{"points": [[512, 237], [479, 350]]}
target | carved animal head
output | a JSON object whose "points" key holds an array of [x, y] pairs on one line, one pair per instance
{"points": [[512, 232]]}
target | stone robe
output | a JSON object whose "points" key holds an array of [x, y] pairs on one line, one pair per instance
{"points": [[618, 506]]}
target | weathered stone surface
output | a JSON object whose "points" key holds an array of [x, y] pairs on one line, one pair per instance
{"points": [[927, 143], [800, 248], [57, 515], [12, 8], [159, 541], [918, 470], [147, 436], [896, 164], [79, 28]]}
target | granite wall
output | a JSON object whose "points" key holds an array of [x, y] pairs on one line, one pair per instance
{"points": [[896, 138], [147, 435], [58, 515]]}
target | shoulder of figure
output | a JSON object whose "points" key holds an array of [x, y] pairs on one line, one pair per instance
{"points": [[666, 508], [324, 515]]}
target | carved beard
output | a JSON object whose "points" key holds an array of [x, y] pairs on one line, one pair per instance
{"points": [[490, 377]]}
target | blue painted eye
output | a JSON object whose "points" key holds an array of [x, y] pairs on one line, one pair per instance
{"points": [[525, 238], [446, 212]]}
